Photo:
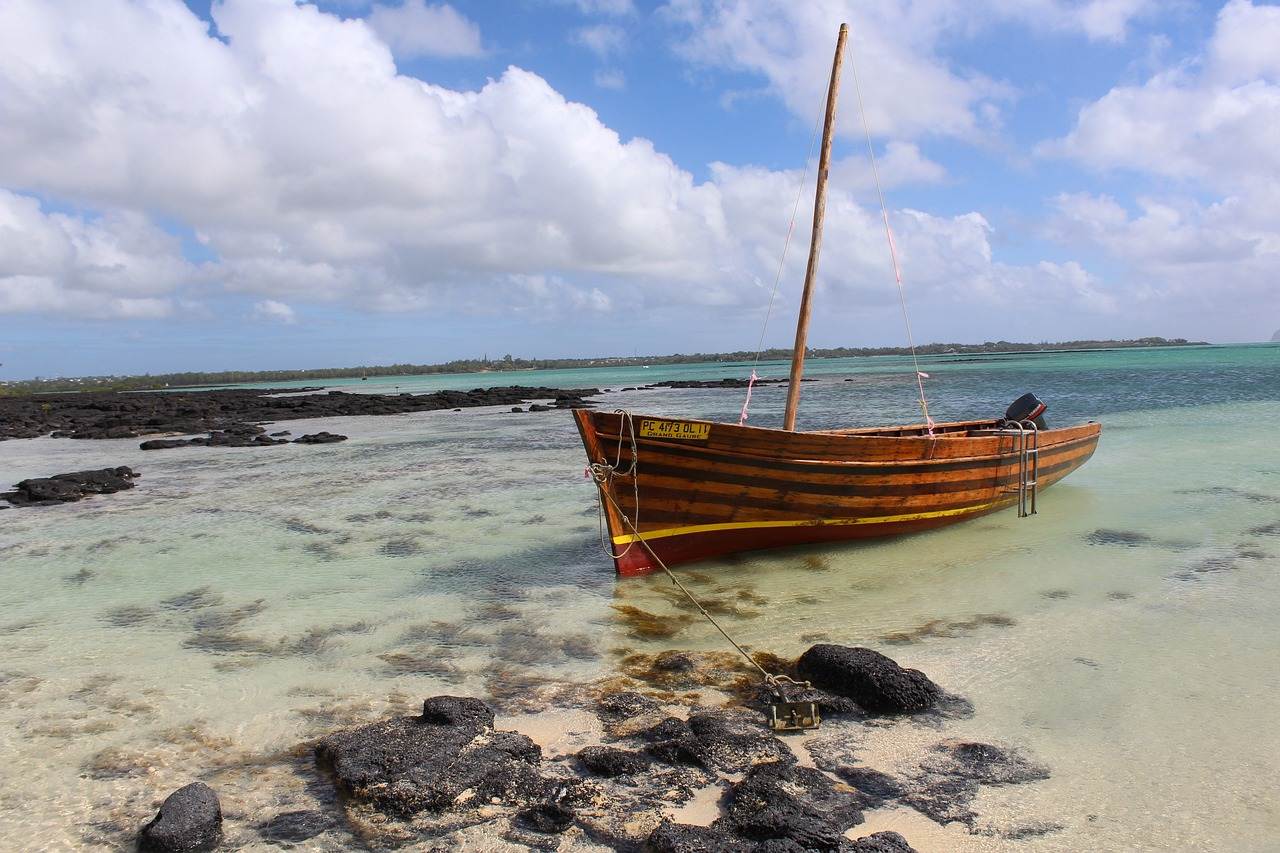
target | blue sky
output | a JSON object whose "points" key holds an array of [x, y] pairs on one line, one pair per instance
{"points": [[265, 184]]}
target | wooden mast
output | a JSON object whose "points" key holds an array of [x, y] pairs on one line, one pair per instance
{"points": [[815, 242]]}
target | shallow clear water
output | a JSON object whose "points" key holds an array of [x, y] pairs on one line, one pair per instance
{"points": [[239, 601]]}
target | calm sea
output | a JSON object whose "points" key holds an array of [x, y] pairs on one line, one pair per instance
{"points": [[240, 601]]}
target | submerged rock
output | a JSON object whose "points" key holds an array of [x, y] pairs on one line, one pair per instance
{"points": [[949, 779], [66, 488], [1127, 538], [874, 786], [189, 820], [874, 681], [292, 827], [984, 763]]}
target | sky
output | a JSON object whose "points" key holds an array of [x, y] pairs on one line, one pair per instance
{"points": [[265, 184]]}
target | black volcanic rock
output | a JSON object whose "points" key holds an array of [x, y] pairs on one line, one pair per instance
{"points": [[448, 758], [189, 820], [799, 804], [727, 382], [548, 818], [610, 761], [65, 488], [320, 438], [671, 837], [167, 443], [869, 678], [236, 411], [880, 842], [462, 711]]}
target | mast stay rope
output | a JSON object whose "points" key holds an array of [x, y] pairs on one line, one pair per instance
{"points": [[782, 261], [893, 249]]}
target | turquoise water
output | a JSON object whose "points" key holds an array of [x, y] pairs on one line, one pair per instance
{"points": [[240, 601]]}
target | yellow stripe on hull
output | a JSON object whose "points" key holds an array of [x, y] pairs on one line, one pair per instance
{"points": [[816, 522]]}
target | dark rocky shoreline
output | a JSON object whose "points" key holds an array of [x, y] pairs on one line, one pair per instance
{"points": [[432, 778], [131, 415], [70, 487]]}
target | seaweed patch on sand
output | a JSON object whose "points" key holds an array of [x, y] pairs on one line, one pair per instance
{"points": [[944, 628], [1126, 538]]}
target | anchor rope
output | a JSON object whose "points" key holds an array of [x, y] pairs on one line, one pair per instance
{"points": [[603, 473], [893, 249]]}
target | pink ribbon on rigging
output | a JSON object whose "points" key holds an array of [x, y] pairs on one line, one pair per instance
{"points": [[747, 402]]}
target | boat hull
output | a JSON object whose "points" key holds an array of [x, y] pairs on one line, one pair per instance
{"points": [[710, 489]]}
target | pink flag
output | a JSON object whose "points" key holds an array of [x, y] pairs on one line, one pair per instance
{"points": [[922, 374]]}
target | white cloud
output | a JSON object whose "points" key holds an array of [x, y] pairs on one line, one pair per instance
{"points": [[416, 29], [275, 312], [604, 40], [1215, 121], [1222, 258], [114, 267], [610, 79], [911, 90], [1209, 126], [613, 8], [899, 163], [1097, 20], [314, 172]]}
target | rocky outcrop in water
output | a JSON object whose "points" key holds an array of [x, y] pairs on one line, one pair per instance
{"points": [[66, 488], [869, 678], [130, 415], [321, 437], [449, 758], [880, 842], [727, 382], [189, 820], [450, 776]]}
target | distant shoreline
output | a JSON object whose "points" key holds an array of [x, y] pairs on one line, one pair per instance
{"points": [[509, 364]]}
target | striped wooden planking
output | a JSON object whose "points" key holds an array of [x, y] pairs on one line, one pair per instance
{"points": [[708, 489]]}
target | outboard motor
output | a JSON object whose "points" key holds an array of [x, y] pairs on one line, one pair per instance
{"points": [[1028, 407]]}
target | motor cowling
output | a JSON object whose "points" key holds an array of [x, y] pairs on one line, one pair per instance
{"points": [[1028, 407]]}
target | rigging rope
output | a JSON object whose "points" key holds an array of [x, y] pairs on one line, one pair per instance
{"points": [[603, 473], [893, 249], [782, 261]]}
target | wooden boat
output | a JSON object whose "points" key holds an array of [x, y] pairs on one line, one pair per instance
{"points": [[676, 490], [709, 489]]}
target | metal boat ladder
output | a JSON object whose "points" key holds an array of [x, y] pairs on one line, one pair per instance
{"points": [[1026, 445], [1026, 437]]}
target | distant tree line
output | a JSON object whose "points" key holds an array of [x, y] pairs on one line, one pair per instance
{"points": [[509, 363]]}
